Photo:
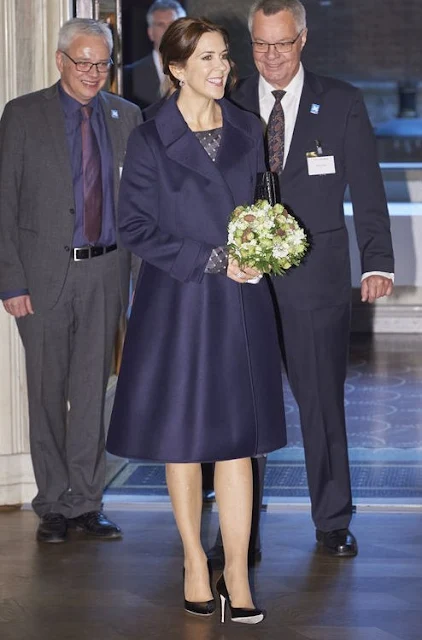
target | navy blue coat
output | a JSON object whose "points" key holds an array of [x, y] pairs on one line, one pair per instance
{"points": [[201, 376]]}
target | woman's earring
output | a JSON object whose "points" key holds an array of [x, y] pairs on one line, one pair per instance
{"points": [[181, 83]]}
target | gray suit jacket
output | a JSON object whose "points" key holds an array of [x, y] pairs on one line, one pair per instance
{"points": [[37, 202]]}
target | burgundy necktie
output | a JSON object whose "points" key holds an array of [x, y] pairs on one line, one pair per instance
{"points": [[93, 187], [275, 134]]}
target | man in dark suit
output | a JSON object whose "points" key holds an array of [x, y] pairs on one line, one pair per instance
{"points": [[144, 78], [62, 273], [318, 142]]}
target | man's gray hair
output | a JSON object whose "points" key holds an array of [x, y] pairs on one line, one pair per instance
{"points": [[86, 27], [271, 7], [165, 5]]}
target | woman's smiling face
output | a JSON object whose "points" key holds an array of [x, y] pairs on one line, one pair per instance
{"points": [[206, 71]]}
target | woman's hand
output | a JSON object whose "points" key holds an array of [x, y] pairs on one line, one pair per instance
{"points": [[241, 274]]}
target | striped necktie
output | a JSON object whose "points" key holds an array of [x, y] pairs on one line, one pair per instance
{"points": [[275, 134]]}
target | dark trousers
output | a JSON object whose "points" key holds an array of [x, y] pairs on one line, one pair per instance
{"points": [[68, 353], [315, 345]]}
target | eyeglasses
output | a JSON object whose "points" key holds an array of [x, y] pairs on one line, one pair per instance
{"points": [[280, 47], [86, 66]]}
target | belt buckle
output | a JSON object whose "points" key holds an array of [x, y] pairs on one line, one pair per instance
{"points": [[75, 259]]}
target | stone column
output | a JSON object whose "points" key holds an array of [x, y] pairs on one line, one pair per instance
{"points": [[28, 39]]}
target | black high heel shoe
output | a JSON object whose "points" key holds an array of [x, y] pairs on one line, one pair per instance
{"points": [[206, 608], [237, 614]]}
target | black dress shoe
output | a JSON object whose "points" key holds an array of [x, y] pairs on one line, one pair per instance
{"points": [[52, 528], [340, 542], [95, 523], [215, 556]]}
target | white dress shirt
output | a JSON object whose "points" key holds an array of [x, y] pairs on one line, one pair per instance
{"points": [[290, 103]]}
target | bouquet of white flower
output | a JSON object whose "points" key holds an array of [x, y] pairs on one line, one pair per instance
{"points": [[266, 238]]}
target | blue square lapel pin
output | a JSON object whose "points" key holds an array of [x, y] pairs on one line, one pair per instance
{"points": [[315, 108], [115, 114]]}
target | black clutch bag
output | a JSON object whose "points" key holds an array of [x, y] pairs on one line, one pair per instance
{"points": [[267, 187]]}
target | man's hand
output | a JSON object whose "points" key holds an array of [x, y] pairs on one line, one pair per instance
{"points": [[18, 307], [374, 287]]}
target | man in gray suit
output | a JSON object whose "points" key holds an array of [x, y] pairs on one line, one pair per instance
{"points": [[62, 273], [143, 79]]}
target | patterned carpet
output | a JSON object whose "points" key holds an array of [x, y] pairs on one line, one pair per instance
{"points": [[284, 479], [384, 422]]}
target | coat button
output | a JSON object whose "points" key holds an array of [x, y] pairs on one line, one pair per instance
{"points": [[67, 248], [72, 212]]}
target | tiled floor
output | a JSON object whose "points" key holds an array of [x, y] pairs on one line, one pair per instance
{"points": [[384, 422]]}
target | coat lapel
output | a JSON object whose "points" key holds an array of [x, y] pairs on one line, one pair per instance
{"points": [[188, 152], [53, 113], [236, 144], [304, 131], [183, 147], [113, 123], [246, 95], [181, 144]]}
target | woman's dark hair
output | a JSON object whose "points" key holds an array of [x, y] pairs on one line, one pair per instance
{"points": [[181, 39]]}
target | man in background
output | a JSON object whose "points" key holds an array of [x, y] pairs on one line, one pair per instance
{"points": [[144, 78], [63, 275]]}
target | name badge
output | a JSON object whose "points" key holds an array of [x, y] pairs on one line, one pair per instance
{"points": [[321, 165]]}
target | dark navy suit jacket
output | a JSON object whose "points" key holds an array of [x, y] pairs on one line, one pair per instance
{"points": [[342, 126], [141, 82]]}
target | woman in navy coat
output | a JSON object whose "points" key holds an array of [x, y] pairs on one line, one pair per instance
{"points": [[200, 378]]}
